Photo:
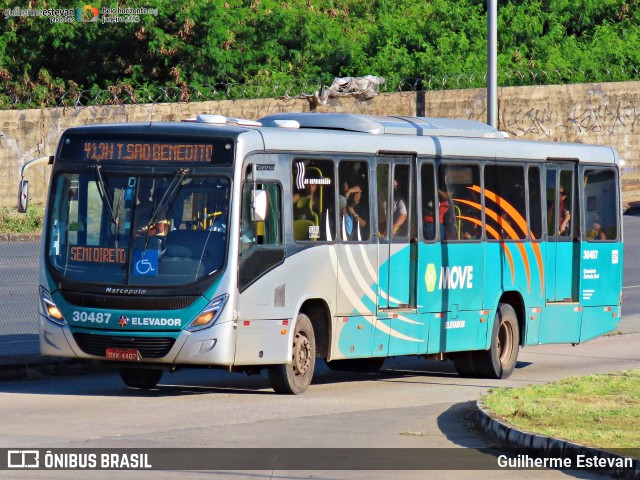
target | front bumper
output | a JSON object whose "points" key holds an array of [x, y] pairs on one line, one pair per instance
{"points": [[211, 346]]}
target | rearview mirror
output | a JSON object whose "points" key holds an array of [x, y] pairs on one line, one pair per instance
{"points": [[23, 196], [259, 205]]}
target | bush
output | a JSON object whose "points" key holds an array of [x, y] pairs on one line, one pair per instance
{"points": [[30, 222]]}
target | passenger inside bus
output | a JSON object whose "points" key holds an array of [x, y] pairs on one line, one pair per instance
{"points": [[304, 203], [313, 200], [146, 203], [565, 214], [399, 209], [354, 214], [428, 225], [446, 216], [506, 225], [471, 230], [595, 232], [305, 215], [351, 174]]}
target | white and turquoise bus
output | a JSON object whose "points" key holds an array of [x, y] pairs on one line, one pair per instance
{"points": [[247, 245]]}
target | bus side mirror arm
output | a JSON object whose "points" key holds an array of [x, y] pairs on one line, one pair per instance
{"points": [[23, 188]]}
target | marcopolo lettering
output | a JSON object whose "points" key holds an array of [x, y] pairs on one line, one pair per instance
{"points": [[263, 166], [125, 291]]}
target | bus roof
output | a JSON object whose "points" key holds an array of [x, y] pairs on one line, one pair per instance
{"points": [[377, 125], [442, 137], [331, 133]]}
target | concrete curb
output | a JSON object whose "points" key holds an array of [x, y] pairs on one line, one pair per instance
{"points": [[507, 436], [20, 237]]}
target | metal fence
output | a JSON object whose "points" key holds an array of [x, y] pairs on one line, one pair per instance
{"points": [[18, 297], [125, 94]]}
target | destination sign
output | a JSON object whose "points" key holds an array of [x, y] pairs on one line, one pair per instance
{"points": [[80, 253], [147, 151]]}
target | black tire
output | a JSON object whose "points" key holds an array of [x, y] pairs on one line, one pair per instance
{"points": [[500, 360], [144, 378], [362, 365], [294, 378]]}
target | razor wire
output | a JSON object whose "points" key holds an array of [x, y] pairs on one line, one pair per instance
{"points": [[125, 94]]}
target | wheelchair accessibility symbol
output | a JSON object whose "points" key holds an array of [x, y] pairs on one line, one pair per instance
{"points": [[145, 263]]}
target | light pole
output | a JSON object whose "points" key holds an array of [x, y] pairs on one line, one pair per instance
{"points": [[492, 63]]}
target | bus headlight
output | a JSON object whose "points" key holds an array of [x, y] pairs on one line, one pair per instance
{"points": [[50, 309], [209, 314]]}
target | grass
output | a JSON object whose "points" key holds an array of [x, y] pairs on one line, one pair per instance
{"points": [[13, 222], [601, 411]]}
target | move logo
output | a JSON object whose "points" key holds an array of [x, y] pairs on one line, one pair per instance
{"points": [[451, 278]]}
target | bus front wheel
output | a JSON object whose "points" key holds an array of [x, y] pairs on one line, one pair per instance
{"points": [[143, 378], [295, 377], [500, 360]]}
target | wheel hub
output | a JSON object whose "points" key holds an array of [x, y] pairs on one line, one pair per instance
{"points": [[301, 354], [504, 340]]}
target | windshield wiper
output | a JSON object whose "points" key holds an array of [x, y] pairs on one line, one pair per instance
{"points": [[164, 201], [102, 191]]}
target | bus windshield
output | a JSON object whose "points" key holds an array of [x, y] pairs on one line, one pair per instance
{"points": [[112, 228]]}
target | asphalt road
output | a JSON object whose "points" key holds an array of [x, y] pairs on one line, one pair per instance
{"points": [[631, 289], [18, 296], [413, 403]]}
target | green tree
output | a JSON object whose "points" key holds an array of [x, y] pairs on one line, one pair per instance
{"points": [[273, 47]]}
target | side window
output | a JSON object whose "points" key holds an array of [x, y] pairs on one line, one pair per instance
{"points": [[459, 202], [428, 199], [535, 199], [268, 232], [353, 201], [260, 242], [566, 207], [400, 210], [313, 200], [601, 217], [551, 204], [504, 202], [382, 188]]}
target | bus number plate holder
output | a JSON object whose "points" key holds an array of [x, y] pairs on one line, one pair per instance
{"points": [[123, 354]]}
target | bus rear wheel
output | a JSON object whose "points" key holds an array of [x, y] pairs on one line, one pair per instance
{"points": [[144, 378], [295, 377], [500, 360]]}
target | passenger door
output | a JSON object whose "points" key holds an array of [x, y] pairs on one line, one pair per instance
{"points": [[561, 319], [563, 260], [394, 193]]}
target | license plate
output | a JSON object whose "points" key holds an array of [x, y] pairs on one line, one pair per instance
{"points": [[123, 354]]}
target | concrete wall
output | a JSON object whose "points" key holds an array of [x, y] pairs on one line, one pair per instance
{"points": [[589, 113]]}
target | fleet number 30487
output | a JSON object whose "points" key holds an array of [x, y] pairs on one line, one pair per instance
{"points": [[95, 317]]}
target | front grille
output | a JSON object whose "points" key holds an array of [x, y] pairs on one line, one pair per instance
{"points": [[119, 302], [149, 347]]}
